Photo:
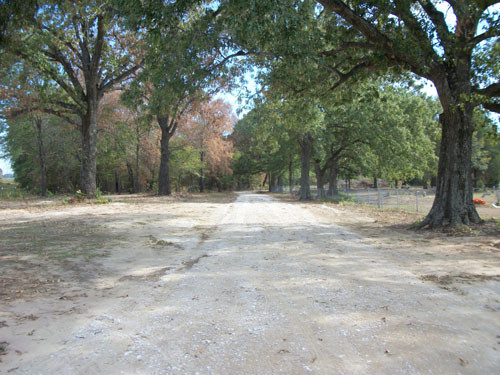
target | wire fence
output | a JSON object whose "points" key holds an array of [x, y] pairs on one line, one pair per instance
{"points": [[411, 200], [405, 199]]}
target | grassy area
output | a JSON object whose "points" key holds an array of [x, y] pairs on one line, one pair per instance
{"points": [[54, 239], [9, 190]]}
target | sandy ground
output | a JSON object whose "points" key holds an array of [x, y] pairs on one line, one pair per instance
{"points": [[254, 286]]}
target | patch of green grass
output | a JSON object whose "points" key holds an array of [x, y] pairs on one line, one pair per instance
{"points": [[342, 198], [10, 191], [417, 224]]}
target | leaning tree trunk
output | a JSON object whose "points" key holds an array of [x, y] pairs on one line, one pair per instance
{"points": [[332, 181], [89, 149], [453, 204], [41, 156], [306, 150], [164, 175]]}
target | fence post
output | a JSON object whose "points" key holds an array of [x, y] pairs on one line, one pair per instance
{"points": [[397, 195], [416, 200], [379, 200]]}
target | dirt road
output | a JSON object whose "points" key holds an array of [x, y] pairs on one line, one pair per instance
{"points": [[256, 286]]}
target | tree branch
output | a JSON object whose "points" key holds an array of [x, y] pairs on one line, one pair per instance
{"points": [[345, 46], [493, 107], [491, 91], [343, 77], [104, 86], [96, 58], [381, 41], [486, 35], [437, 19], [56, 55]]}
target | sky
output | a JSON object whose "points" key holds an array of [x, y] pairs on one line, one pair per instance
{"points": [[5, 166]]}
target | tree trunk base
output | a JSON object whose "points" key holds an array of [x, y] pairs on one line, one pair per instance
{"points": [[439, 217]]}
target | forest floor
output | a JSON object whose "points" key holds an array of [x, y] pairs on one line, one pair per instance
{"points": [[243, 284]]}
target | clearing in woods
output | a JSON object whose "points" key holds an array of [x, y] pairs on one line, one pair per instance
{"points": [[252, 285]]}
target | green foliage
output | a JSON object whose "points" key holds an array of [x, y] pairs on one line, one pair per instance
{"points": [[60, 141], [185, 165], [340, 198]]}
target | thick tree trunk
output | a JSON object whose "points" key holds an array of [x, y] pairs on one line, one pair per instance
{"points": [[89, 149], [332, 182], [290, 176], [272, 182], [306, 150], [320, 175], [131, 179], [375, 182], [164, 175], [118, 183], [453, 204], [41, 156], [202, 172], [280, 184]]}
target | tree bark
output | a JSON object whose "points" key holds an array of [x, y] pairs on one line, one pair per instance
{"points": [[290, 176], [280, 184], [320, 175], [41, 156], [306, 150], [453, 204], [118, 183], [332, 182], [202, 173], [164, 187], [272, 182], [89, 149], [131, 179], [137, 156]]}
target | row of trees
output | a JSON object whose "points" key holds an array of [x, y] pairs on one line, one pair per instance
{"points": [[65, 59], [170, 55], [45, 156], [374, 129]]}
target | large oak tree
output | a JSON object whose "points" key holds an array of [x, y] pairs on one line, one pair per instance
{"points": [[458, 57], [81, 47]]}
